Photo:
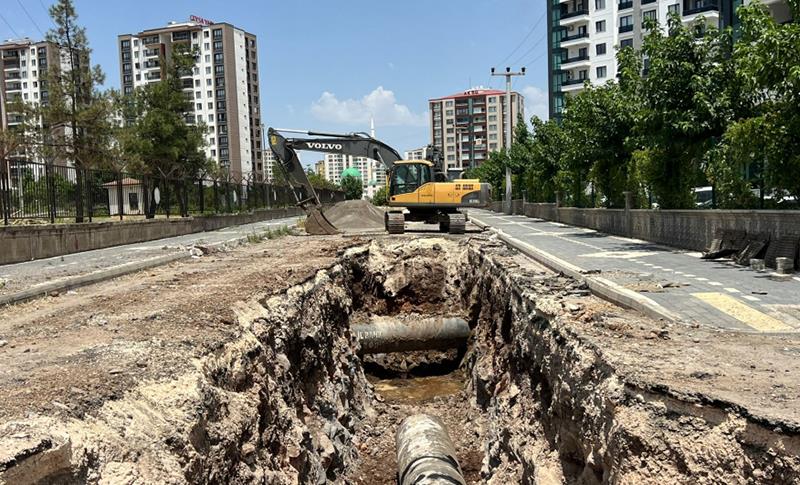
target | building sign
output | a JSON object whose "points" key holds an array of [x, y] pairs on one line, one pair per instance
{"points": [[200, 20]]}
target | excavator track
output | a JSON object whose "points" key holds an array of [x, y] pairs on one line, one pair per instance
{"points": [[395, 223], [457, 223]]}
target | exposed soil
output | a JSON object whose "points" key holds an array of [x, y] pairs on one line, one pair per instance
{"points": [[70, 353], [168, 376]]}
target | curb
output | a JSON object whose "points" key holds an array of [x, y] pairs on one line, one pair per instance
{"points": [[106, 274], [599, 286]]}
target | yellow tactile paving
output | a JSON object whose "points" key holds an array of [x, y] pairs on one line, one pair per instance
{"points": [[744, 313]]}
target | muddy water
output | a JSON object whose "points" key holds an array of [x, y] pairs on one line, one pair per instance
{"points": [[418, 390]]}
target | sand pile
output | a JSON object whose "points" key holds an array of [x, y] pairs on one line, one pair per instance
{"points": [[355, 215]]}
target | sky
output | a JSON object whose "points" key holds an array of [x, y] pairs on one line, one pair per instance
{"points": [[330, 65]]}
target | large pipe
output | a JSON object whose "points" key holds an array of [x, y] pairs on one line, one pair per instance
{"points": [[425, 453], [386, 334]]}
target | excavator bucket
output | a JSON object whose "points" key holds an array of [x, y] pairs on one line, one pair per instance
{"points": [[317, 224]]}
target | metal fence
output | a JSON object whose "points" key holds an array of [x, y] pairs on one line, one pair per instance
{"points": [[56, 193]]}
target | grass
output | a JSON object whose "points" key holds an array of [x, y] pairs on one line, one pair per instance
{"points": [[257, 237]]}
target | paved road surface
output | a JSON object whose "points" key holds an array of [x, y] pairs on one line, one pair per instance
{"points": [[22, 276], [717, 293]]}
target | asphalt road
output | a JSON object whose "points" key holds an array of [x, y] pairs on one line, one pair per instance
{"points": [[717, 293], [24, 276]]}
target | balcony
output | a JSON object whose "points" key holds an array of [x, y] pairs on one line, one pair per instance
{"points": [[645, 2], [575, 13], [570, 40], [625, 5], [12, 75], [574, 17], [691, 7], [572, 60], [572, 84], [11, 55], [11, 87], [625, 28]]}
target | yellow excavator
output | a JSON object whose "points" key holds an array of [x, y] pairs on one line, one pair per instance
{"points": [[418, 190]]}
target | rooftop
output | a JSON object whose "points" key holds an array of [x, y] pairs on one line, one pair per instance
{"points": [[480, 91]]}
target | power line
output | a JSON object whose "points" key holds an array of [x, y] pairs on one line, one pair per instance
{"points": [[19, 2], [535, 59], [534, 46], [536, 24], [10, 27]]}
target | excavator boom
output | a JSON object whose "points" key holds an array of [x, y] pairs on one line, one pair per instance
{"points": [[355, 144]]}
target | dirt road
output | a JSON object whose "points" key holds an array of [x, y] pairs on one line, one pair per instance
{"points": [[72, 352]]}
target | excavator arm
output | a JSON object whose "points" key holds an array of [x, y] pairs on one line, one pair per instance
{"points": [[355, 144]]}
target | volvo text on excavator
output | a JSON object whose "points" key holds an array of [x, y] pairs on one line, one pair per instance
{"points": [[418, 186]]}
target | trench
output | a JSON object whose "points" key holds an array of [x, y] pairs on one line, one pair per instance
{"points": [[525, 399]]}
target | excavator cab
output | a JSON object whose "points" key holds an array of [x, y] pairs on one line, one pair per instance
{"points": [[407, 177]]}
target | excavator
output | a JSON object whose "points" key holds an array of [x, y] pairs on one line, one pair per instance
{"points": [[418, 186]]}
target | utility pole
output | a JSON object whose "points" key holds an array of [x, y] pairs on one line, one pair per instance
{"points": [[509, 124]]}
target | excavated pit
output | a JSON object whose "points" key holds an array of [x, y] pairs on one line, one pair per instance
{"points": [[530, 399]]}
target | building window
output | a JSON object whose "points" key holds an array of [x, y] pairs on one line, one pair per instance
{"points": [[600, 26], [600, 49], [208, 82], [626, 43], [448, 103], [208, 69], [492, 109], [492, 117], [217, 33], [599, 4], [601, 72], [649, 15], [626, 21], [674, 8], [199, 106], [198, 95], [211, 105]]}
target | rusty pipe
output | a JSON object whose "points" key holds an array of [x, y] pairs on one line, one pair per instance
{"points": [[425, 453], [386, 334]]}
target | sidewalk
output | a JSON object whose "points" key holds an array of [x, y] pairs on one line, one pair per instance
{"points": [[23, 281], [716, 293]]}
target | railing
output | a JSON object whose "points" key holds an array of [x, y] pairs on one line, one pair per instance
{"points": [[568, 60], [697, 6], [625, 28], [568, 38], [624, 5], [576, 13], [571, 82], [57, 193]]}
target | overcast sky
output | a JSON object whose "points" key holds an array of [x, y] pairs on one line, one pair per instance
{"points": [[330, 65]]}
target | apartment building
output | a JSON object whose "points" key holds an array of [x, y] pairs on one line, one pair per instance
{"points": [[587, 33], [415, 154], [467, 126], [223, 86], [25, 64], [371, 172]]}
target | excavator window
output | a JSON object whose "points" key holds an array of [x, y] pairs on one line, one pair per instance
{"points": [[409, 177]]}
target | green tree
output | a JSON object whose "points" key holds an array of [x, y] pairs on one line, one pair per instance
{"points": [[381, 197], [686, 103], [767, 62], [547, 144], [320, 182], [352, 187], [491, 171], [76, 116]]}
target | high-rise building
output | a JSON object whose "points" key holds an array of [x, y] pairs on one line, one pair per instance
{"points": [[587, 33], [25, 64], [371, 172], [415, 154], [319, 168], [223, 85], [467, 126]]}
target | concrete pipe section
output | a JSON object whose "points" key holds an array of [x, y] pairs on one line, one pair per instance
{"points": [[385, 334], [425, 453]]}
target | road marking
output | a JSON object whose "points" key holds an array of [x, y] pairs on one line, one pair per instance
{"points": [[714, 283], [732, 290], [658, 267], [679, 272], [751, 298], [689, 275], [742, 312], [701, 279], [796, 278]]}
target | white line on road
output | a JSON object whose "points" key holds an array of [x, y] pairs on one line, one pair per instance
{"points": [[714, 283], [701, 279], [732, 290], [689, 275], [751, 298]]}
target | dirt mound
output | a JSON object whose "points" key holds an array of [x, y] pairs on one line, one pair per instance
{"points": [[355, 215]]}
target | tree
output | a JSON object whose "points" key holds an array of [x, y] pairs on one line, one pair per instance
{"points": [[767, 63], [381, 197], [491, 171], [320, 182], [76, 116], [352, 187], [686, 103], [547, 144], [157, 139]]}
